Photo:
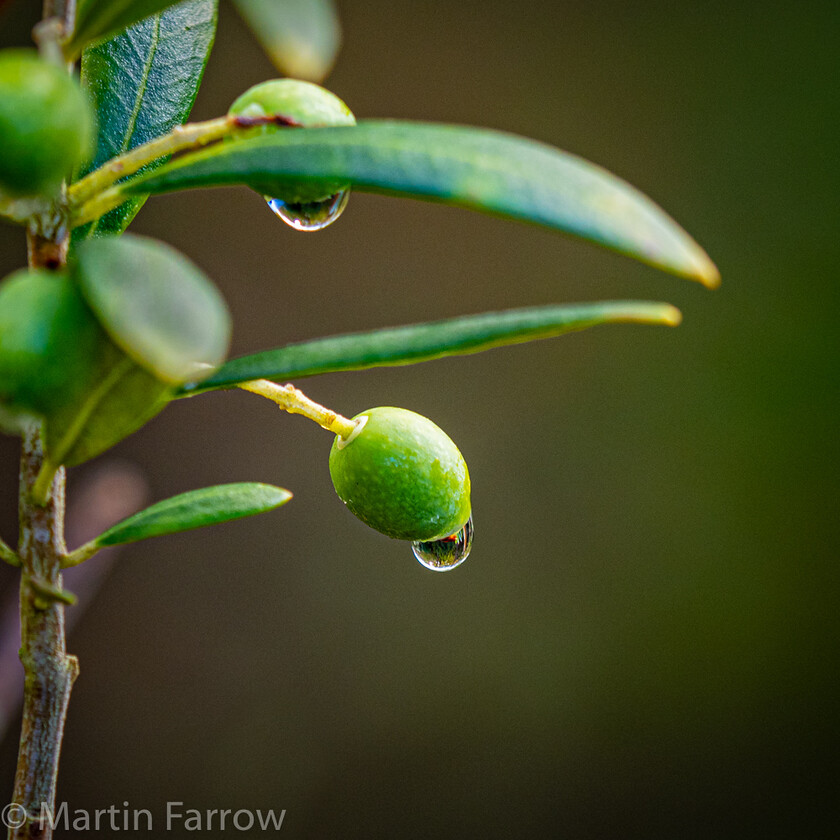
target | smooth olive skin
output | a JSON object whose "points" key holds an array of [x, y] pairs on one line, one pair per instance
{"points": [[403, 476], [46, 124], [51, 345], [307, 104]]}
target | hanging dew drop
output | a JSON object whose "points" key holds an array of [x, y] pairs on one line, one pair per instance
{"points": [[443, 555], [314, 215]]}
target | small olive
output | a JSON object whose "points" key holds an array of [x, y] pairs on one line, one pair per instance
{"points": [[289, 103], [293, 102], [51, 346], [402, 475], [46, 124]]}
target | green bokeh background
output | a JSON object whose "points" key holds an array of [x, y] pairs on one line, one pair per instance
{"points": [[644, 641]]}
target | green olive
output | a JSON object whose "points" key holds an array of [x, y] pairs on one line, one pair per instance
{"points": [[58, 365], [46, 124], [293, 103], [51, 344], [402, 475]]}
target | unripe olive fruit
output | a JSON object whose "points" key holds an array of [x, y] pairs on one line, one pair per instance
{"points": [[402, 475], [293, 103], [300, 103], [51, 344], [46, 124]]}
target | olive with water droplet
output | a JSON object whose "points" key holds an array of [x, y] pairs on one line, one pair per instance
{"points": [[288, 103], [310, 215], [402, 475], [443, 555]]}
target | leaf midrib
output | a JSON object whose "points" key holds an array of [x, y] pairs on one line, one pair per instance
{"points": [[138, 103]]}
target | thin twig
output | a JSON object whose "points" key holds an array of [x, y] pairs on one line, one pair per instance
{"points": [[49, 671]]}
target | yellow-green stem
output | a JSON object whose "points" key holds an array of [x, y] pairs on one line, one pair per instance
{"points": [[8, 555], [180, 139], [294, 401], [43, 483]]}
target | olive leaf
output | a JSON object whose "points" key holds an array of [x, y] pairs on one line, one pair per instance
{"points": [[158, 307], [301, 37], [58, 365], [98, 19], [117, 403], [497, 173], [143, 83], [194, 509], [435, 340], [165, 323]]}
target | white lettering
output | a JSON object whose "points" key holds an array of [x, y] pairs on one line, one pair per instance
{"points": [[81, 822], [172, 814], [137, 813], [53, 820], [250, 818], [193, 822], [271, 818]]}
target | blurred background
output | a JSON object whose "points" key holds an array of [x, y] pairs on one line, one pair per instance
{"points": [[644, 640]]}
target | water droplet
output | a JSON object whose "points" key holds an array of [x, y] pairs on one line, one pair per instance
{"points": [[443, 555], [313, 215]]}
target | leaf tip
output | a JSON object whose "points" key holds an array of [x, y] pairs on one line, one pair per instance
{"points": [[671, 316], [704, 270], [282, 496]]}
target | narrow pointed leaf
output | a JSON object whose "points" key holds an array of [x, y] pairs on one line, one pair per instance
{"points": [[98, 19], [480, 169], [143, 83], [208, 506], [435, 340], [301, 37]]}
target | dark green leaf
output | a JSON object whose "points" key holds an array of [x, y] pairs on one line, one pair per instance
{"points": [[143, 83], [301, 37], [423, 342], [98, 19], [125, 398], [155, 304], [58, 365], [195, 509], [476, 168]]}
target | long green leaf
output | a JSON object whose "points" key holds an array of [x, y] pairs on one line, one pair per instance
{"points": [[301, 37], [424, 342], [143, 83], [98, 19], [484, 170], [208, 506]]}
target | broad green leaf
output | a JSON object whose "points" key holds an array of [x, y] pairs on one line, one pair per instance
{"points": [[301, 37], [122, 400], [59, 366], [155, 304], [484, 170], [143, 83], [98, 19], [208, 506], [424, 342]]}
